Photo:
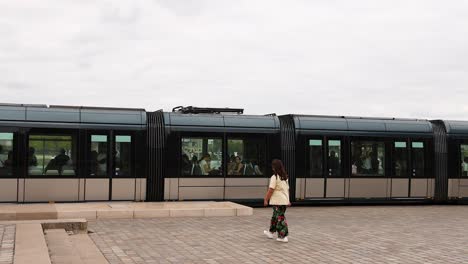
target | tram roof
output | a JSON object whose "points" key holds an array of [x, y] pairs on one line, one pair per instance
{"points": [[71, 116], [456, 127], [362, 124], [221, 123]]}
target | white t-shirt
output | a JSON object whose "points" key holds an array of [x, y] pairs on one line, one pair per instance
{"points": [[202, 164], [280, 194], [465, 166], [367, 164], [102, 162]]}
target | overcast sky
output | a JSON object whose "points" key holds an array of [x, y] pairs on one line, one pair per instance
{"points": [[335, 57]]}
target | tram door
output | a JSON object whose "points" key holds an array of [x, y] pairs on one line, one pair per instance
{"points": [[325, 178], [314, 182], [8, 180], [421, 184], [98, 177], [109, 163], [401, 170], [335, 180]]}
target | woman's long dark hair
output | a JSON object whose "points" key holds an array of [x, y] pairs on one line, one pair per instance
{"points": [[278, 169]]}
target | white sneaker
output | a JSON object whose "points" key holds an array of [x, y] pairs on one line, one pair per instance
{"points": [[284, 239], [268, 234]]}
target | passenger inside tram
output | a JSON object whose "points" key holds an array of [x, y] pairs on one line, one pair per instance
{"points": [[248, 168], [6, 155], [400, 167], [205, 164], [196, 169], [186, 165], [231, 164], [8, 163], [32, 160], [380, 167], [367, 158], [465, 166], [257, 170], [217, 171], [357, 160], [2, 156], [375, 163], [367, 163], [333, 163], [102, 161], [237, 167], [58, 162], [93, 163]]}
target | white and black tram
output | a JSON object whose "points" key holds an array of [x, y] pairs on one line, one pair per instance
{"points": [[73, 154], [62, 153]]}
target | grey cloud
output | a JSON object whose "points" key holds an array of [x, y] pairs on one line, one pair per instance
{"points": [[381, 58], [124, 15], [15, 87], [184, 7]]}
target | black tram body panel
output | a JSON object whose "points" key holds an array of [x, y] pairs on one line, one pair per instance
{"points": [[329, 163], [74, 154], [191, 136]]}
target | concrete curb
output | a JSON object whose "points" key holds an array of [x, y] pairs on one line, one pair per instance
{"points": [[121, 210]]}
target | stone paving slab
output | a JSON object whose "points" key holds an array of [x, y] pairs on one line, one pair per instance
{"points": [[87, 250], [30, 245], [367, 234], [120, 210], [7, 243], [66, 248], [60, 247]]}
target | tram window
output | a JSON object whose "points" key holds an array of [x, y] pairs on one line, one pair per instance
{"points": [[246, 157], [334, 157], [6, 154], [464, 159], [51, 155], [123, 156], [201, 156], [401, 158], [315, 157], [417, 149], [98, 156], [367, 158]]}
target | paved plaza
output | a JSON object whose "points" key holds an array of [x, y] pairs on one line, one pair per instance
{"points": [[7, 242], [347, 234]]}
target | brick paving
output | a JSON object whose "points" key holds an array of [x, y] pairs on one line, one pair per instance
{"points": [[348, 234], [7, 243]]}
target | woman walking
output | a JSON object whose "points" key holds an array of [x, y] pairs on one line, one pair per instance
{"points": [[278, 197]]}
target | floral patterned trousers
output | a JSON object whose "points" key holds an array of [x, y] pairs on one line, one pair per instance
{"points": [[278, 221]]}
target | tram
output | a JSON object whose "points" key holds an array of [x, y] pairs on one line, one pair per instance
{"points": [[78, 154]]}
